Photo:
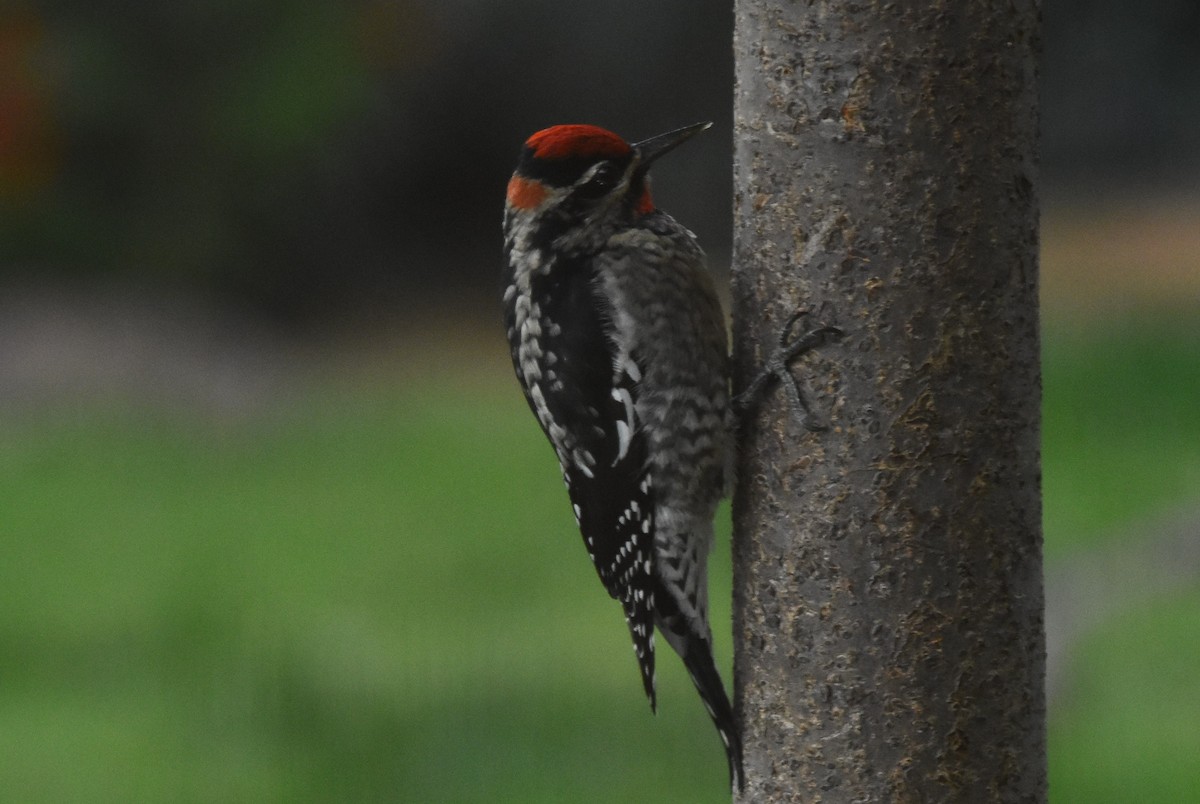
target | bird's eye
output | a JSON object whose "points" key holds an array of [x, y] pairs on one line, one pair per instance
{"points": [[602, 179]]}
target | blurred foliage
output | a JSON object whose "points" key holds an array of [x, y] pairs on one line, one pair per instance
{"points": [[298, 153], [194, 137]]}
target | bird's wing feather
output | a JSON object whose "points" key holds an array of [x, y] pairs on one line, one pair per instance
{"points": [[604, 451]]}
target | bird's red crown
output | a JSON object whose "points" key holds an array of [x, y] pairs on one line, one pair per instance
{"points": [[564, 142], [559, 155]]}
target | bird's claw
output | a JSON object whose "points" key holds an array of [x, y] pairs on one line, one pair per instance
{"points": [[778, 367]]}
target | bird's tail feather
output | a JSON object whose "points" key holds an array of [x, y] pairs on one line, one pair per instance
{"points": [[698, 659], [696, 651]]}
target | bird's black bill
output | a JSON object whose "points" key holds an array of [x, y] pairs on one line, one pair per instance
{"points": [[653, 148]]}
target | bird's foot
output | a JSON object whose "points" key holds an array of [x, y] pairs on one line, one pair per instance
{"points": [[777, 368]]}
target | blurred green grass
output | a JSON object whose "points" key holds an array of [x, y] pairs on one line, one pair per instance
{"points": [[376, 595], [1121, 424], [372, 597], [1128, 731]]}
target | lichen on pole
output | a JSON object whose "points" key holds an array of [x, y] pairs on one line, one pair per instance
{"points": [[887, 570]]}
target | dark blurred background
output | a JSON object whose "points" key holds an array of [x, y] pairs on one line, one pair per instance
{"points": [[307, 158], [268, 493]]}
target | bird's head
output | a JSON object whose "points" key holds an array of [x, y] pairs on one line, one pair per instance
{"points": [[577, 178]]}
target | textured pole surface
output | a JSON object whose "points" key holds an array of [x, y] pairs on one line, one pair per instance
{"points": [[887, 572]]}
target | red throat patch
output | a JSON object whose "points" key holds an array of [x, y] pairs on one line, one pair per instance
{"points": [[525, 193], [645, 204], [560, 142]]}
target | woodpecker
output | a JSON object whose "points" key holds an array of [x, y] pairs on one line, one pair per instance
{"points": [[618, 341]]}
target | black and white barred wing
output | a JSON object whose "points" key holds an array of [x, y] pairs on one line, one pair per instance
{"points": [[583, 388], [613, 500]]}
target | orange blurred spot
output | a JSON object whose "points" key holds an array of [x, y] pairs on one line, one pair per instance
{"points": [[29, 142]]}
